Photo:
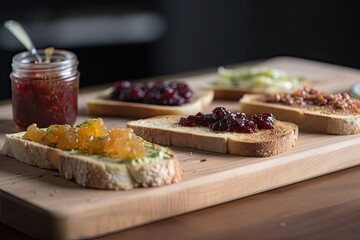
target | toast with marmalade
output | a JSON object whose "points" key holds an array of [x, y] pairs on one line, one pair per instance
{"points": [[95, 157]]}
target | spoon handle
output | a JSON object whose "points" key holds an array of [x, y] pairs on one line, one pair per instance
{"points": [[18, 31]]}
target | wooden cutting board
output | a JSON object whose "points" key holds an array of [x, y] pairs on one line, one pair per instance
{"points": [[41, 204]]}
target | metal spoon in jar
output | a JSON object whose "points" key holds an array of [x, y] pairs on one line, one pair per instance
{"points": [[48, 53], [18, 31]]}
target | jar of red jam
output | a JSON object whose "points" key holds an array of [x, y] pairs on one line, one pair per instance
{"points": [[44, 93]]}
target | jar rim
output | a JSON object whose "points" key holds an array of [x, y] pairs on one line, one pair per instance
{"points": [[59, 58]]}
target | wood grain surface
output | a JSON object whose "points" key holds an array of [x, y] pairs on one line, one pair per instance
{"points": [[61, 209]]}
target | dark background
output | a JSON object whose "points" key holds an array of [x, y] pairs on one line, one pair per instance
{"points": [[190, 34]]}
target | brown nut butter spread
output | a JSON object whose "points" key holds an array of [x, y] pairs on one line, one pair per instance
{"points": [[308, 96]]}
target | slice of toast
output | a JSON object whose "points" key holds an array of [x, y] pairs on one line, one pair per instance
{"points": [[317, 119], [102, 105], [165, 130], [97, 171], [233, 83]]}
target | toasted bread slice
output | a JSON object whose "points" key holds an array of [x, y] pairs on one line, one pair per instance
{"points": [[102, 105], [233, 83], [315, 119], [235, 93], [165, 130], [96, 171]]}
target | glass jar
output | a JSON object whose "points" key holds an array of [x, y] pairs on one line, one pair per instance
{"points": [[44, 93]]}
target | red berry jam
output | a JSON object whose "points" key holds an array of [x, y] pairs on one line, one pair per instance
{"points": [[158, 93], [44, 102], [224, 120], [45, 93]]}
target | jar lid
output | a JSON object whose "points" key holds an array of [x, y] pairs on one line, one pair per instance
{"points": [[355, 90]]}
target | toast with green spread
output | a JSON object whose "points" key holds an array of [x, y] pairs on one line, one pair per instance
{"points": [[232, 84]]}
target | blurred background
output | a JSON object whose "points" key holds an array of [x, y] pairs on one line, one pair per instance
{"points": [[116, 40]]}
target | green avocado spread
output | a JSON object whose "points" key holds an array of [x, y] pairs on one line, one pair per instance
{"points": [[261, 79], [154, 153]]}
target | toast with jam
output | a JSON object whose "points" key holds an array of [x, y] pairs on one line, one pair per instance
{"points": [[220, 131], [310, 109], [95, 157], [148, 99]]}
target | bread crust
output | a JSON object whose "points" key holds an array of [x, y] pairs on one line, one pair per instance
{"points": [[227, 93], [164, 130], [103, 106], [89, 172], [231, 92], [29, 152], [308, 120]]}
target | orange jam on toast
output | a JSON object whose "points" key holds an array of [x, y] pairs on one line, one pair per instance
{"points": [[91, 137]]}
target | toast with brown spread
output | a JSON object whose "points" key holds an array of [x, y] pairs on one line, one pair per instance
{"points": [[310, 109]]}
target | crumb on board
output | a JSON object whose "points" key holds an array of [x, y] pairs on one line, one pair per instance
{"points": [[203, 160], [283, 224], [17, 172], [191, 153]]}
